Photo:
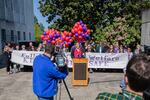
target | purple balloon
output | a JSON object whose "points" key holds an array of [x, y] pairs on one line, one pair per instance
{"points": [[81, 22], [69, 43], [81, 33], [76, 34], [49, 41], [84, 29], [44, 33], [84, 36], [55, 35], [54, 38], [69, 37], [50, 37], [87, 36], [82, 25], [58, 35]]}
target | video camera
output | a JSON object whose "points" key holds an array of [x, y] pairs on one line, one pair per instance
{"points": [[59, 57]]}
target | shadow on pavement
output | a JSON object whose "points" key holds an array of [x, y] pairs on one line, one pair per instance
{"points": [[1, 67], [27, 69], [108, 70], [104, 81]]}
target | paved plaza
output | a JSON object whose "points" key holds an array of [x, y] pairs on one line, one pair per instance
{"points": [[19, 86]]}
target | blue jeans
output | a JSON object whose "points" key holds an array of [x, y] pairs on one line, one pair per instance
{"points": [[42, 98], [122, 85]]}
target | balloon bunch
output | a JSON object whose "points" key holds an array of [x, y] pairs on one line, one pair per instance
{"points": [[66, 38], [80, 31], [53, 36]]}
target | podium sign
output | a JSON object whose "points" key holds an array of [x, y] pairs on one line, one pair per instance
{"points": [[80, 71]]}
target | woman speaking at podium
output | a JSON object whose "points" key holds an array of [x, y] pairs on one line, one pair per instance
{"points": [[80, 65], [77, 51]]}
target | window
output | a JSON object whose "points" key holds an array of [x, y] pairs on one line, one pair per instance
{"points": [[3, 37], [24, 35], [18, 35], [29, 36], [12, 35]]}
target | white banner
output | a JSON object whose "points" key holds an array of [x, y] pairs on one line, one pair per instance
{"points": [[24, 57], [104, 60], [96, 60]]}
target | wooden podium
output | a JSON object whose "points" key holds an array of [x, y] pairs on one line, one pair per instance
{"points": [[80, 71]]}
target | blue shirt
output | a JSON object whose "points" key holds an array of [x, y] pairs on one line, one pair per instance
{"points": [[45, 76]]}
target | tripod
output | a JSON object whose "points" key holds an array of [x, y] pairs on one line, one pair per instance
{"points": [[66, 89]]}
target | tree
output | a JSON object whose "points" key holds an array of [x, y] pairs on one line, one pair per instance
{"points": [[38, 29], [99, 15]]}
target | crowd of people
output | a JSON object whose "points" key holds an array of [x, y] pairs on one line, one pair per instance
{"points": [[5, 57], [135, 83], [91, 46], [103, 47], [96, 47]]}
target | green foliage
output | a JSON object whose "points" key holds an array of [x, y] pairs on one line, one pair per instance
{"points": [[38, 29], [109, 20]]}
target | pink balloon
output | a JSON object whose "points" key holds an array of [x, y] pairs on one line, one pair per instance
{"points": [[63, 36], [66, 38], [75, 30], [56, 40], [42, 36], [79, 32], [70, 40], [60, 41], [70, 34], [88, 31], [80, 37], [76, 25], [66, 44], [74, 37], [72, 31], [53, 42], [80, 28], [46, 38], [47, 33]]}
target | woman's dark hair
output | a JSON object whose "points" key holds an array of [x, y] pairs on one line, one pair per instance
{"points": [[138, 73], [49, 48]]}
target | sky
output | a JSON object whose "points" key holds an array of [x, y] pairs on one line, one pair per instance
{"points": [[39, 16]]}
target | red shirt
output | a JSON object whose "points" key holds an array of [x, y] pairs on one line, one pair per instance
{"points": [[77, 53]]}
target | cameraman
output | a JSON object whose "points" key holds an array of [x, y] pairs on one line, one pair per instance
{"points": [[46, 74]]}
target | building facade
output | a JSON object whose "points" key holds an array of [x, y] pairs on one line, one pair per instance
{"points": [[145, 33], [16, 21]]}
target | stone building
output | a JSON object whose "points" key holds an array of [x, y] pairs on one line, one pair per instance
{"points": [[16, 21], [145, 32]]}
